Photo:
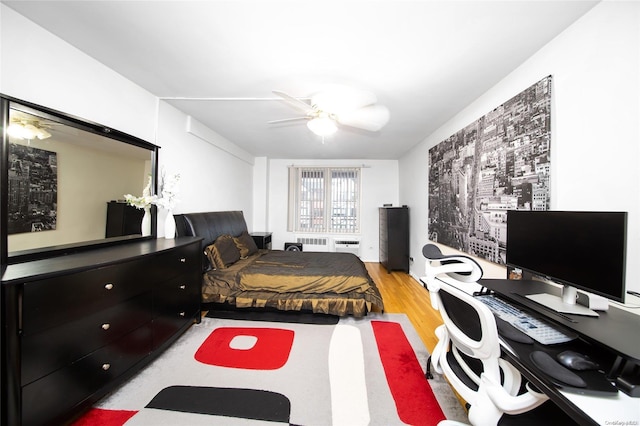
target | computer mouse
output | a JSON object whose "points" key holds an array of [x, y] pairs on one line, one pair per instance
{"points": [[576, 361]]}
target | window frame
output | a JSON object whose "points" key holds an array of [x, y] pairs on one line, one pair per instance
{"points": [[337, 189]]}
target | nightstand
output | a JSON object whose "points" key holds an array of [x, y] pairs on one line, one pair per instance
{"points": [[262, 239]]}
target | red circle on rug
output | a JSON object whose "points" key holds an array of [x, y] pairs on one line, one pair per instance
{"points": [[270, 351]]}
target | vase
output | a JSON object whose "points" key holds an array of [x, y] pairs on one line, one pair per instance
{"points": [[145, 226], [169, 225]]}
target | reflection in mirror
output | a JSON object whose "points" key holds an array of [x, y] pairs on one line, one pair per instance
{"points": [[61, 180]]}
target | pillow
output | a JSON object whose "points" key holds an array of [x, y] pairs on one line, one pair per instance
{"points": [[223, 252], [245, 244]]}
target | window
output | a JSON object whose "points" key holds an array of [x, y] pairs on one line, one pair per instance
{"points": [[324, 200]]}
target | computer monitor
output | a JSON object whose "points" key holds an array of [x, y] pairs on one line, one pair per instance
{"points": [[578, 249]]}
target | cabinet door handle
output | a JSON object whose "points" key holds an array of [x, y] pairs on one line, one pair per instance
{"points": [[106, 326], [106, 366], [108, 286], [182, 287], [183, 260]]}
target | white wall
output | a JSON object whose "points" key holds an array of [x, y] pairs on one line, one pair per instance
{"points": [[65, 79], [41, 68], [260, 194], [595, 145], [210, 178], [379, 186]]}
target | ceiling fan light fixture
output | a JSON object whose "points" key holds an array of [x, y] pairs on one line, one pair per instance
{"points": [[42, 134], [29, 131], [322, 126], [338, 104], [24, 130], [16, 130]]}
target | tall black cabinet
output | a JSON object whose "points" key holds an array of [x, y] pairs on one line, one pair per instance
{"points": [[122, 219], [394, 238]]}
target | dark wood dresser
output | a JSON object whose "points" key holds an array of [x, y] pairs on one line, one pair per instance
{"points": [[77, 326], [394, 238]]}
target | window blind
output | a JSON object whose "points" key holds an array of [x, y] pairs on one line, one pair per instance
{"points": [[324, 200]]}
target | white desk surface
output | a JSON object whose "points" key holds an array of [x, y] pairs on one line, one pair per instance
{"points": [[619, 409]]}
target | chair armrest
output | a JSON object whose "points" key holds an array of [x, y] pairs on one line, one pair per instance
{"points": [[508, 403]]}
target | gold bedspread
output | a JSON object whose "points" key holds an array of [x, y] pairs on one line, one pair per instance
{"points": [[331, 283]]}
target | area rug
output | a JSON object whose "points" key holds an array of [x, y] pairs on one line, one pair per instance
{"points": [[236, 372]]}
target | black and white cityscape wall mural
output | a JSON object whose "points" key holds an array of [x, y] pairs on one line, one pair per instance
{"points": [[499, 162], [33, 189]]}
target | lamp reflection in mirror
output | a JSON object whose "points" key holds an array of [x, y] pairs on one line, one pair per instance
{"points": [[26, 130]]}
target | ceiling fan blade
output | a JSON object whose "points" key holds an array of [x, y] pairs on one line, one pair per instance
{"points": [[284, 120], [301, 105], [338, 99], [371, 118]]}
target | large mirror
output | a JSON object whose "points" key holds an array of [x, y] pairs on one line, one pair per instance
{"points": [[66, 180]]}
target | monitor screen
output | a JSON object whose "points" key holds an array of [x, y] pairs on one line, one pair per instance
{"points": [[586, 250]]}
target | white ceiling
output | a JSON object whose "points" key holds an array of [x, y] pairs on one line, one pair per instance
{"points": [[219, 61]]}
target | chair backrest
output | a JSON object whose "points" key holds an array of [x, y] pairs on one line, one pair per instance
{"points": [[459, 267], [469, 334], [470, 324], [471, 327]]}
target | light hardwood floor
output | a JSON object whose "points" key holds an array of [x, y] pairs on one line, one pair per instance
{"points": [[401, 293]]}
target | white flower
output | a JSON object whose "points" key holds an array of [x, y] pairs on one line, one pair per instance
{"points": [[141, 202], [169, 194]]}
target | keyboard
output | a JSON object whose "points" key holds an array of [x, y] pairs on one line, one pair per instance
{"points": [[535, 328]]}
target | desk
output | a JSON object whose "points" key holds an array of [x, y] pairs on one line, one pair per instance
{"points": [[613, 336]]}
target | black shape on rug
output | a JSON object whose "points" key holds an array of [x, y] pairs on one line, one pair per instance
{"points": [[229, 402], [290, 317]]}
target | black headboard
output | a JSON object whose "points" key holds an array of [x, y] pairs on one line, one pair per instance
{"points": [[210, 225]]}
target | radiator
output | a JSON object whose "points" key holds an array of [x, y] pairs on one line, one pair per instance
{"points": [[313, 243], [347, 245]]}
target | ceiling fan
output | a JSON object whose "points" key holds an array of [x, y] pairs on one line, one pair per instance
{"points": [[28, 129], [337, 104], [23, 125]]}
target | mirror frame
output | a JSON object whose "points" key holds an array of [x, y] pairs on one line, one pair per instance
{"points": [[8, 102]]}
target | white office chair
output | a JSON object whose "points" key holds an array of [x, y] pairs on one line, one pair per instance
{"points": [[468, 349]]}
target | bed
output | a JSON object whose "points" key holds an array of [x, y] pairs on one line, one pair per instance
{"points": [[237, 274]]}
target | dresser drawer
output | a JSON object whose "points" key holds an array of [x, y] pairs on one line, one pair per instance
{"points": [[51, 302], [73, 340], [175, 263], [50, 399], [176, 302], [177, 295]]}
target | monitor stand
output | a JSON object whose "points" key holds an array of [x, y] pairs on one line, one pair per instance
{"points": [[565, 304]]}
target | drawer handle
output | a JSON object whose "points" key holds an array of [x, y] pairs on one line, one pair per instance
{"points": [[108, 286], [183, 260], [106, 366], [106, 326], [182, 313], [182, 287]]}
